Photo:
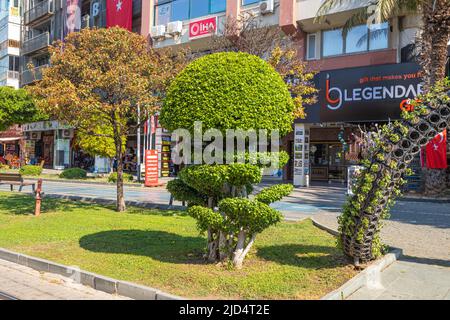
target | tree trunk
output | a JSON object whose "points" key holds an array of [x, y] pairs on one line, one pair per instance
{"points": [[433, 46], [119, 155], [241, 249], [213, 246], [120, 194]]}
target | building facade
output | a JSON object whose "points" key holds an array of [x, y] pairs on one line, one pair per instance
{"points": [[11, 140], [364, 77], [9, 43]]}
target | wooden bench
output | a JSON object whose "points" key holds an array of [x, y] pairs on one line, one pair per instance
{"points": [[15, 179]]}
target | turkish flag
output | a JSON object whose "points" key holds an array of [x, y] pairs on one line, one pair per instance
{"points": [[119, 13], [436, 151]]}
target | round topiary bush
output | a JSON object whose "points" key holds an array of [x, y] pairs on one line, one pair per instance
{"points": [[126, 177], [228, 90], [30, 170], [73, 173]]}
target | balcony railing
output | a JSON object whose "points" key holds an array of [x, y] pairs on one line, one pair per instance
{"points": [[31, 75], [35, 44], [39, 12]]}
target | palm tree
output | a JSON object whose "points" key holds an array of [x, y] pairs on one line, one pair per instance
{"points": [[432, 44]]}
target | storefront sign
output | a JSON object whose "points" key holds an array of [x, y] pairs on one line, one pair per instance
{"points": [[202, 28], [44, 126], [376, 93], [151, 168]]}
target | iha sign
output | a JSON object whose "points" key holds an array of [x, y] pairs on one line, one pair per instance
{"points": [[202, 28]]}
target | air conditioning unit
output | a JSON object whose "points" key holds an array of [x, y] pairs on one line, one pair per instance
{"points": [[85, 21], [158, 31], [174, 27], [266, 7], [67, 133], [34, 135]]}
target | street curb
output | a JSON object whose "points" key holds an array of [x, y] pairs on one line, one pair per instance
{"points": [[367, 277], [136, 185], [433, 200], [325, 228], [95, 281], [147, 205]]}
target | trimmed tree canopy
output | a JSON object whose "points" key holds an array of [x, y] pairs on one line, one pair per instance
{"points": [[228, 90], [16, 107]]}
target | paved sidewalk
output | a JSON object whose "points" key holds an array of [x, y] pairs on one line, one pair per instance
{"points": [[25, 283], [409, 280]]}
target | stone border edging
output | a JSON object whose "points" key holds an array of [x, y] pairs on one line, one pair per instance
{"points": [[367, 277], [98, 282]]}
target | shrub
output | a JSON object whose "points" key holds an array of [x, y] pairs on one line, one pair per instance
{"points": [[228, 90], [30, 170], [182, 192], [274, 193], [126, 177], [73, 173]]}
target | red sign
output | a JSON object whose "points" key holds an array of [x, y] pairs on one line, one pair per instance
{"points": [[202, 28], [151, 168]]}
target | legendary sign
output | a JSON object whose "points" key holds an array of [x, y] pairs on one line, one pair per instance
{"points": [[375, 93], [202, 28]]}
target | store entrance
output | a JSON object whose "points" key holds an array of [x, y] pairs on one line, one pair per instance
{"points": [[327, 162]]}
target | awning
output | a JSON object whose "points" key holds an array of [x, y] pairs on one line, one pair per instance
{"points": [[10, 139]]}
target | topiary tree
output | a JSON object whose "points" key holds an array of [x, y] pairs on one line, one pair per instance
{"points": [[217, 197], [390, 151], [229, 91]]}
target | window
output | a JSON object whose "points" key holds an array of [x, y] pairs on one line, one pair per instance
{"points": [[358, 39], [179, 10], [333, 43], [311, 46], [13, 63], [378, 36], [199, 8], [247, 2], [218, 6]]}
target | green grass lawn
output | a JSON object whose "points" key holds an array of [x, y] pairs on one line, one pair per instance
{"points": [[163, 249]]}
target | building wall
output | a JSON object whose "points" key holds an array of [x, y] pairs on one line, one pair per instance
{"points": [[9, 44]]}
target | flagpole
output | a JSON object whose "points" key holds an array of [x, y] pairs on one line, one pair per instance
{"points": [[138, 167]]}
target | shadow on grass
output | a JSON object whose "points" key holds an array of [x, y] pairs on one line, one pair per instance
{"points": [[159, 212], [24, 204], [158, 245], [304, 256]]}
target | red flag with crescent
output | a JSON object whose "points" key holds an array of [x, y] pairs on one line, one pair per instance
{"points": [[436, 151]]}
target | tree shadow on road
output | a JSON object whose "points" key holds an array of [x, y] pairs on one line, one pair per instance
{"points": [[158, 245], [304, 256], [428, 261]]}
